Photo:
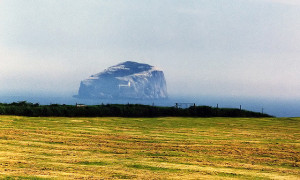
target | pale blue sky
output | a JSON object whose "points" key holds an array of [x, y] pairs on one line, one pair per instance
{"points": [[243, 48]]}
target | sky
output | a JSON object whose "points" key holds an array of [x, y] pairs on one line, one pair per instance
{"points": [[242, 48]]}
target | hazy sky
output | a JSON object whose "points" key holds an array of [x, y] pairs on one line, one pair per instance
{"points": [[244, 48]]}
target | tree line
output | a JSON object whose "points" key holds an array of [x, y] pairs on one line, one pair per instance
{"points": [[24, 108]]}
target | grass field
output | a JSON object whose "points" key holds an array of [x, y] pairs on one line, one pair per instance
{"points": [[149, 148]]}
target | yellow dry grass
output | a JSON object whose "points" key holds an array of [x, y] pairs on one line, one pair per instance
{"points": [[149, 148]]}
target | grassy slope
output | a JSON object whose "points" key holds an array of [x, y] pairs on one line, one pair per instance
{"points": [[149, 148]]}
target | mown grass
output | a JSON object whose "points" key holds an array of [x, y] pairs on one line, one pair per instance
{"points": [[149, 148]]}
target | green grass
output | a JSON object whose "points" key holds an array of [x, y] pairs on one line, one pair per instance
{"points": [[93, 163], [23, 177], [152, 168], [149, 148]]}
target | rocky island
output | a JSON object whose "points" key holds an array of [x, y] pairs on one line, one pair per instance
{"points": [[127, 80]]}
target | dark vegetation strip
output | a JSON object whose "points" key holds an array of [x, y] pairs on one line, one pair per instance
{"points": [[120, 110]]}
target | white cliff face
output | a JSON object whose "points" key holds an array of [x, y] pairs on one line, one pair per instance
{"points": [[126, 80]]}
